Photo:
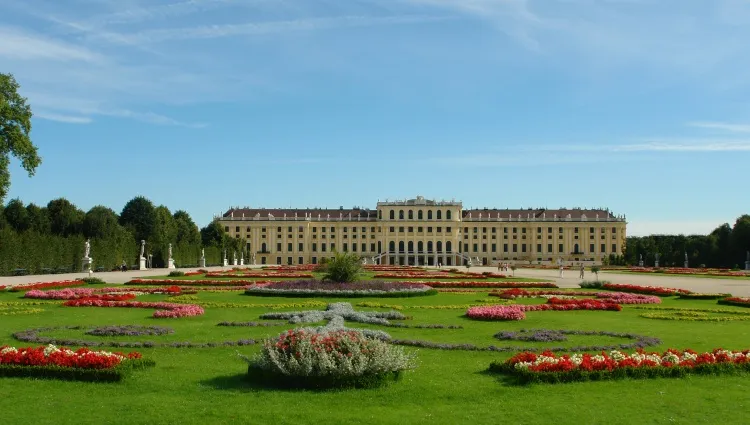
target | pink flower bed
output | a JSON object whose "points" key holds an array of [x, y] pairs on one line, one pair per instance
{"points": [[616, 297], [164, 310], [516, 312], [76, 293]]}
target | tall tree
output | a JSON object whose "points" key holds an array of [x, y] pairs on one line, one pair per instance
{"points": [[100, 222], [213, 234], [15, 126], [39, 219], [17, 216], [740, 240], [187, 230], [139, 216], [65, 218]]}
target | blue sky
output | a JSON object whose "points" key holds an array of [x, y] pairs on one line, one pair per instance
{"points": [[642, 106]]}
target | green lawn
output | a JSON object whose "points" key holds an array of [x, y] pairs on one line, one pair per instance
{"points": [[449, 387], [365, 276], [699, 276]]}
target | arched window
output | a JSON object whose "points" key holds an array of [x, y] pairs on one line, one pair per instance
{"points": [[401, 214], [393, 215], [380, 214], [439, 215], [429, 246], [429, 214], [419, 215], [411, 215], [448, 215], [392, 246], [411, 246], [448, 247], [263, 247], [401, 246], [420, 247], [575, 247], [439, 246], [379, 247]]}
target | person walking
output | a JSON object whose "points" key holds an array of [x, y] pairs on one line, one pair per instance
{"points": [[582, 271], [561, 271]]}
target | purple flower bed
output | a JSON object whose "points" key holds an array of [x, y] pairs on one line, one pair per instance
{"points": [[312, 288], [129, 330], [538, 335], [640, 341], [32, 335]]}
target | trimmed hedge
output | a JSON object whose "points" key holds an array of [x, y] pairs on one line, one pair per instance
{"points": [[115, 374], [699, 296], [274, 380], [526, 377]]}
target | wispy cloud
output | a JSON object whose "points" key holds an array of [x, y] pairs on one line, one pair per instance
{"points": [[18, 44], [724, 126], [265, 28], [70, 119]]}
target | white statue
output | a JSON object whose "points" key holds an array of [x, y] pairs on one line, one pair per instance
{"points": [[203, 253], [87, 249], [253, 259], [170, 251], [143, 247]]}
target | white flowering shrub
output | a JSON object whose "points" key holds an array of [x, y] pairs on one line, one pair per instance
{"points": [[305, 357]]}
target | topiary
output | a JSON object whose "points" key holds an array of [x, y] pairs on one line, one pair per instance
{"points": [[343, 267], [176, 273]]}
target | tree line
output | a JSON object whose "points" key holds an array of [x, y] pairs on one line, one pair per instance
{"points": [[51, 238], [725, 247]]}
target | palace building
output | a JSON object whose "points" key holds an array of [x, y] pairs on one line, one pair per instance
{"points": [[426, 232]]}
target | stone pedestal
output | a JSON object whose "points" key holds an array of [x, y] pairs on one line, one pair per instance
{"points": [[747, 265], [171, 264], [656, 264], [686, 264], [203, 262], [142, 263], [234, 262], [242, 261], [87, 262], [640, 263], [225, 262]]}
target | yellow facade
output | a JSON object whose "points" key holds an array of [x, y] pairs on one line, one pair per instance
{"points": [[424, 232]]}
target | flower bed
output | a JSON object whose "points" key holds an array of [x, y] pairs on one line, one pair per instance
{"points": [[164, 310], [488, 284], [695, 314], [33, 336], [301, 358], [316, 288], [529, 367], [261, 275], [198, 282], [645, 290], [736, 301], [110, 294], [703, 296], [46, 285], [129, 330], [616, 297], [14, 310], [517, 311], [62, 363]]}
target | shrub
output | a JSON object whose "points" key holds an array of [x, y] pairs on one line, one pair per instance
{"points": [[343, 267], [91, 280], [306, 359], [593, 284], [596, 270], [453, 270], [176, 273]]}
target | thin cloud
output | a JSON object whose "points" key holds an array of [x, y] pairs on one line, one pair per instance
{"points": [[265, 28], [69, 119], [18, 44], [724, 126]]}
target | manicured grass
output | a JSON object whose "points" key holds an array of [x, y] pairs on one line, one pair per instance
{"points": [[699, 276], [364, 276], [207, 385]]}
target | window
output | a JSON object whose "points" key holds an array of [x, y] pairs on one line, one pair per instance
{"points": [[429, 214], [333, 247], [549, 230], [439, 215], [345, 229], [315, 260], [505, 247], [372, 247], [420, 229], [314, 247], [333, 229], [549, 248], [523, 230], [391, 229], [447, 246], [323, 229], [278, 229], [475, 248], [380, 214], [278, 247], [515, 230], [401, 214], [289, 229], [429, 229], [401, 229], [591, 248], [323, 247], [494, 230], [393, 217], [300, 260], [604, 248], [289, 247], [539, 230], [484, 247], [315, 229], [429, 246], [411, 229], [392, 246], [614, 248], [226, 229], [401, 246], [237, 229], [448, 215], [523, 248], [559, 230], [420, 247], [575, 249], [575, 230], [278, 260], [372, 229], [475, 230], [419, 215], [466, 247], [505, 230], [466, 230], [447, 229], [440, 246], [538, 247], [346, 247], [289, 261], [263, 247], [494, 247], [411, 246], [560, 248], [411, 215], [614, 230], [592, 230], [515, 247]]}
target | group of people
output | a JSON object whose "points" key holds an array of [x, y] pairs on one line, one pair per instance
{"points": [[581, 273]]}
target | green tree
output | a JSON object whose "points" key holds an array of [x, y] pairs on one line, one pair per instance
{"points": [[213, 234], [100, 222], [15, 126], [39, 219], [17, 216], [740, 240], [187, 230], [65, 218], [139, 217], [343, 267]]}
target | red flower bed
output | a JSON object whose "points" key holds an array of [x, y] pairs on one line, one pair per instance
{"points": [[473, 284], [46, 285], [436, 275], [547, 367], [516, 311], [647, 290], [83, 358], [164, 310], [616, 297], [199, 282], [262, 275]]}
